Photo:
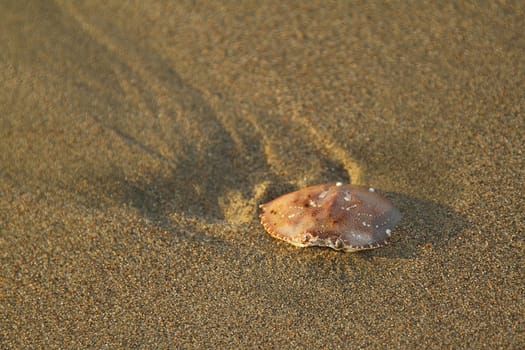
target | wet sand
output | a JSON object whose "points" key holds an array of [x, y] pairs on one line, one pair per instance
{"points": [[137, 141]]}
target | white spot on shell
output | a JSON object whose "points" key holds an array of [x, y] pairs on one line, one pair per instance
{"points": [[339, 184], [323, 194], [312, 203], [347, 197], [388, 232], [371, 189]]}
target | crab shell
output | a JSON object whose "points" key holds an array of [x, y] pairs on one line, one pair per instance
{"points": [[339, 216]]}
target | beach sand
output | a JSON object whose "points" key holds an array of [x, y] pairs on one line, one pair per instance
{"points": [[138, 139]]}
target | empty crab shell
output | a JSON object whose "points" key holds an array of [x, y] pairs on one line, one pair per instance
{"points": [[339, 216]]}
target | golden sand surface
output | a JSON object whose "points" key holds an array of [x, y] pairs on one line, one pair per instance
{"points": [[137, 140]]}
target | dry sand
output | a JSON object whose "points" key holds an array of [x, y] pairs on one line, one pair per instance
{"points": [[137, 140]]}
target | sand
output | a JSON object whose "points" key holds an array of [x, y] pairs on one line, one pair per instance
{"points": [[138, 139]]}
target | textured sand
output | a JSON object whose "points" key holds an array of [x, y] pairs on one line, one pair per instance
{"points": [[137, 141]]}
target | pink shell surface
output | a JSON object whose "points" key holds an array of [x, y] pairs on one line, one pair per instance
{"points": [[339, 216]]}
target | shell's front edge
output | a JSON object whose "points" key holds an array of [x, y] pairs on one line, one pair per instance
{"points": [[339, 245]]}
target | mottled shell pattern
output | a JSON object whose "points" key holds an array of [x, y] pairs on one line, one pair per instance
{"points": [[339, 216]]}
